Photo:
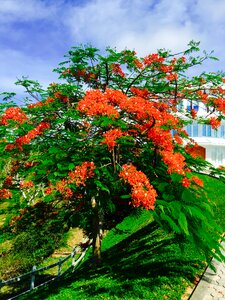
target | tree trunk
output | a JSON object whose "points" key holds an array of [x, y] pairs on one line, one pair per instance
{"points": [[96, 232]]}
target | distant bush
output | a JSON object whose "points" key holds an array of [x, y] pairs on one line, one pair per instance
{"points": [[38, 231]]}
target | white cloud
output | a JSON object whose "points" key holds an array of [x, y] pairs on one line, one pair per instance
{"points": [[23, 65], [149, 25], [25, 10], [130, 23], [34, 34]]}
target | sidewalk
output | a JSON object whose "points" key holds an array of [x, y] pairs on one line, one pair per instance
{"points": [[211, 285]]}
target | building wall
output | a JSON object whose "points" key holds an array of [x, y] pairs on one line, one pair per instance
{"points": [[212, 140]]}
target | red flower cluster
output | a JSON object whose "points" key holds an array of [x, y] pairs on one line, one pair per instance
{"points": [[194, 150], [41, 103], [5, 194], [110, 137], [187, 182], [29, 164], [178, 139], [151, 119], [194, 113], [162, 139], [203, 96], [214, 122], [174, 161], [84, 74], [61, 97], [78, 176], [171, 76], [26, 184], [48, 191], [166, 69], [117, 70], [96, 103], [153, 58], [138, 63], [140, 92], [62, 187], [8, 181], [13, 113], [220, 104], [82, 173], [142, 192], [197, 180], [26, 139]]}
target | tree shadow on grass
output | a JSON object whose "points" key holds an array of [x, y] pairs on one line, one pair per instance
{"points": [[145, 260]]}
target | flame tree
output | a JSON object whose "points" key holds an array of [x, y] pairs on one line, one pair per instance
{"points": [[112, 129]]}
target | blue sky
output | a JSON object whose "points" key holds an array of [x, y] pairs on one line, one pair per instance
{"points": [[35, 34]]}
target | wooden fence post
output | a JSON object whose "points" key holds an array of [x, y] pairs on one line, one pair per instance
{"points": [[60, 266], [73, 257], [33, 277]]}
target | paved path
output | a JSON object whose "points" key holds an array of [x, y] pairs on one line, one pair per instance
{"points": [[211, 285]]}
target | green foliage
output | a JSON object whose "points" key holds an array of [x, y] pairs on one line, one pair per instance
{"points": [[48, 142]]}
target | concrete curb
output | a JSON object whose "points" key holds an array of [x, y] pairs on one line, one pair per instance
{"points": [[212, 285]]}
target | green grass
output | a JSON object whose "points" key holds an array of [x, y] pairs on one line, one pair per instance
{"points": [[216, 192], [140, 261]]}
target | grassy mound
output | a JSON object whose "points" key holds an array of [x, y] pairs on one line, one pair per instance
{"points": [[140, 261]]}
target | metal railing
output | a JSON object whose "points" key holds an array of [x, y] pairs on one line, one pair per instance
{"points": [[32, 275]]}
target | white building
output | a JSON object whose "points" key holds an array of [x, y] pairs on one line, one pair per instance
{"points": [[213, 141]]}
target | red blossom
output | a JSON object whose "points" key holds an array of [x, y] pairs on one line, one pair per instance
{"points": [[193, 113], [172, 76], [26, 139], [197, 180], [26, 184], [178, 139], [13, 113], [29, 164], [82, 173], [110, 137], [153, 58], [48, 191], [142, 192], [214, 122], [5, 194], [138, 64], [174, 161], [61, 97], [41, 103], [166, 69], [220, 103], [117, 70], [186, 182], [140, 92], [203, 96], [8, 181], [95, 103], [62, 187], [194, 150]]}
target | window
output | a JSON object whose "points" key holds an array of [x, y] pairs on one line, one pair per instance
{"points": [[217, 155], [204, 130], [195, 129], [222, 131], [196, 107], [189, 129], [209, 130]]}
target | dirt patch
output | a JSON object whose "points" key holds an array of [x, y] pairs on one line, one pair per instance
{"points": [[75, 237]]}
